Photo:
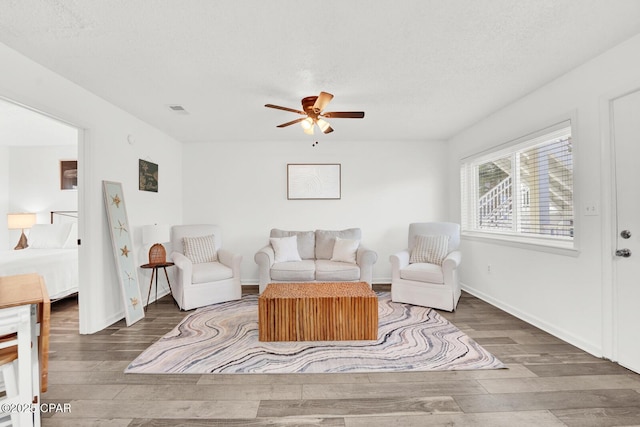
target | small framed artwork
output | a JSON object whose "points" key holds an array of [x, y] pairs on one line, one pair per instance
{"points": [[306, 181], [68, 174], [148, 176]]}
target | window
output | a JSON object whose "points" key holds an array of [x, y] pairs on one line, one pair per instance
{"points": [[523, 190]]}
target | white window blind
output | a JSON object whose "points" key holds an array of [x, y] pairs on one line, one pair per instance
{"points": [[524, 188]]}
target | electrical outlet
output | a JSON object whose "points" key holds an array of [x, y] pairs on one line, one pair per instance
{"points": [[591, 209], [489, 268]]}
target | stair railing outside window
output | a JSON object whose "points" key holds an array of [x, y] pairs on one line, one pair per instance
{"points": [[541, 167]]}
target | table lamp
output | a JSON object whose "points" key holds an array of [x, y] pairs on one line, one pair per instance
{"points": [[20, 221], [156, 235]]}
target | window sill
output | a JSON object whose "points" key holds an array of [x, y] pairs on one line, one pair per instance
{"points": [[559, 247]]}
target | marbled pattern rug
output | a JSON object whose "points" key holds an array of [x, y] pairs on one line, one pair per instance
{"points": [[223, 338]]}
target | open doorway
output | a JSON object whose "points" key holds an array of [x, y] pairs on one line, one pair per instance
{"points": [[38, 177]]}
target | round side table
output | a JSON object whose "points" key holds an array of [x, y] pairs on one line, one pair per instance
{"points": [[154, 273]]}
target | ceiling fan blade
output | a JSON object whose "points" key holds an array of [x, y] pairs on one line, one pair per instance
{"points": [[324, 126], [277, 107], [323, 100], [292, 122], [344, 115]]}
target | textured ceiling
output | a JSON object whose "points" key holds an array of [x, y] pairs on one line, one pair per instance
{"points": [[420, 69]]}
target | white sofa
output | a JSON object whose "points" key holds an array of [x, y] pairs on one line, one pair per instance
{"points": [[434, 285], [315, 264], [204, 283]]}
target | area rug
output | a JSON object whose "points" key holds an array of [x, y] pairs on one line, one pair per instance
{"points": [[223, 338]]}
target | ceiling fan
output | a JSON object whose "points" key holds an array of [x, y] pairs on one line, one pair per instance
{"points": [[312, 108]]}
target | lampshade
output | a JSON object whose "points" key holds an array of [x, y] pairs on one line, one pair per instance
{"points": [[307, 123], [155, 234], [18, 221], [323, 125]]}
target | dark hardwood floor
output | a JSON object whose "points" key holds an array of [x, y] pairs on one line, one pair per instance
{"points": [[548, 383]]}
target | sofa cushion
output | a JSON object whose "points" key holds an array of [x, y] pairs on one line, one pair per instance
{"points": [[334, 271], [302, 271], [422, 272], [344, 250], [210, 272], [325, 240], [306, 241], [431, 249], [285, 248], [200, 249]]}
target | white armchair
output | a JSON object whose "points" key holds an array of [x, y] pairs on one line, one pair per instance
{"points": [[213, 278], [423, 283]]}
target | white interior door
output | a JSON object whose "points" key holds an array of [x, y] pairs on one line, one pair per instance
{"points": [[626, 139]]}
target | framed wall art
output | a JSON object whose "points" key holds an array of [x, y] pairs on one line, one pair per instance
{"points": [[68, 174], [123, 253], [148, 176], [306, 181]]}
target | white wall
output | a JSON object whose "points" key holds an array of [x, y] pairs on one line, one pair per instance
{"points": [[105, 154], [4, 197], [560, 293], [34, 183], [385, 186]]}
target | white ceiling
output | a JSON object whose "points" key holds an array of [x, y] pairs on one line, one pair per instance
{"points": [[20, 126], [420, 69]]}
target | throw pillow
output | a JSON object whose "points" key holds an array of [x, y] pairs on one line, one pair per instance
{"points": [[344, 250], [285, 248], [200, 249], [325, 240], [306, 241], [430, 249], [48, 236]]}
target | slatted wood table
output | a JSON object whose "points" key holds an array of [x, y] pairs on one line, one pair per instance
{"points": [[334, 311]]}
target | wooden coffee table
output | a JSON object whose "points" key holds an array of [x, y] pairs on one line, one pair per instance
{"points": [[334, 311]]}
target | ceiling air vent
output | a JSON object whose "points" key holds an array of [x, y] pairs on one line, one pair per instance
{"points": [[178, 109]]}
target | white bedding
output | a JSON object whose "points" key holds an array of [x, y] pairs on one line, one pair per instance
{"points": [[59, 267]]}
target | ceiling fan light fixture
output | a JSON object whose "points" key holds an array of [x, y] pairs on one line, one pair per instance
{"points": [[307, 123], [312, 108], [323, 125], [308, 131]]}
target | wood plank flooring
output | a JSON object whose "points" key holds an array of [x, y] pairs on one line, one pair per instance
{"points": [[548, 383]]}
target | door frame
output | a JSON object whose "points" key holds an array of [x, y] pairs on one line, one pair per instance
{"points": [[609, 221], [82, 154]]}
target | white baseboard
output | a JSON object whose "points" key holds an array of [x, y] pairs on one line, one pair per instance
{"points": [[105, 324], [537, 322], [161, 293]]}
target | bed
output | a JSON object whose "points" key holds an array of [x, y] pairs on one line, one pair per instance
{"points": [[52, 253]]}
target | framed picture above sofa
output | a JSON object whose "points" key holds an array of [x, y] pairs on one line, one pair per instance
{"points": [[306, 181]]}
